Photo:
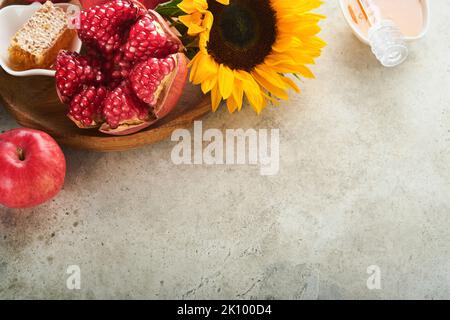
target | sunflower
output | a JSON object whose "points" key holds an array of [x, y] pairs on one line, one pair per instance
{"points": [[246, 47]]}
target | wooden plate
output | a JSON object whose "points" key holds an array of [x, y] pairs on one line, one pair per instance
{"points": [[34, 103]]}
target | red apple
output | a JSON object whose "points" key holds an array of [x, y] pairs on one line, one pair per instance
{"points": [[32, 168]]}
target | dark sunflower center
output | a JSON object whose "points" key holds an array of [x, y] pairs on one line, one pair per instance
{"points": [[243, 33], [238, 25]]}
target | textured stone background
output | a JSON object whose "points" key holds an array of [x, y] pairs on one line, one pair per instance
{"points": [[365, 179]]}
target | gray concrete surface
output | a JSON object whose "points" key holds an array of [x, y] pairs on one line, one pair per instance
{"points": [[364, 180]]}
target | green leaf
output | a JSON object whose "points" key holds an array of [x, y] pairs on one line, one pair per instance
{"points": [[182, 29], [191, 52], [170, 9]]}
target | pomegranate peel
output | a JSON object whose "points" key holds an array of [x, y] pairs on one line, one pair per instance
{"points": [[172, 89]]}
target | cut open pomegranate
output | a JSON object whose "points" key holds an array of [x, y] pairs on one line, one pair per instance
{"points": [[132, 75]]}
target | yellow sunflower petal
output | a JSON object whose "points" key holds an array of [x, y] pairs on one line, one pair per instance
{"points": [[208, 84], [238, 92], [192, 6], [232, 104], [203, 68], [215, 98], [291, 84], [194, 26], [280, 93], [252, 91], [226, 81]]}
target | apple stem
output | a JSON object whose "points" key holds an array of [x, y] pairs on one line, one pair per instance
{"points": [[21, 154]]}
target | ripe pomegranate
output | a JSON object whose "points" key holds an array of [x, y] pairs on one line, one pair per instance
{"points": [[124, 112], [86, 107], [32, 168], [104, 26], [72, 72], [149, 4], [148, 39], [132, 74]]}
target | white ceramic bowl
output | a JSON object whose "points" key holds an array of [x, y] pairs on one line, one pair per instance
{"points": [[12, 18], [364, 38]]}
